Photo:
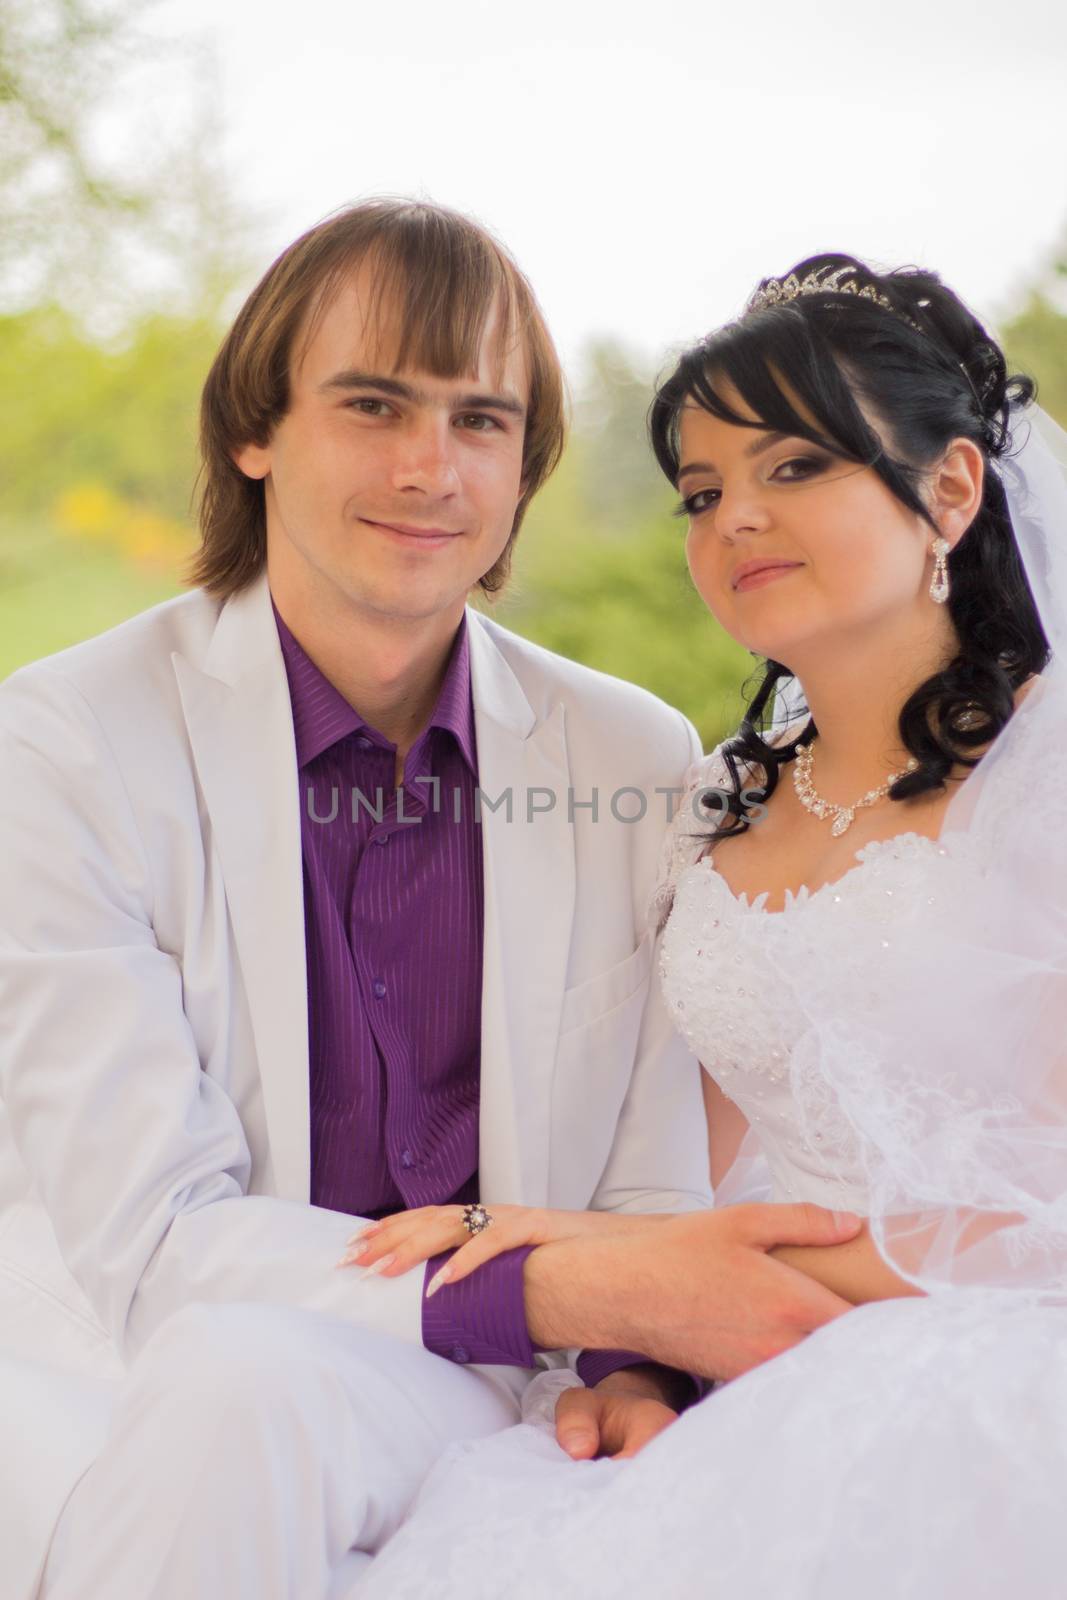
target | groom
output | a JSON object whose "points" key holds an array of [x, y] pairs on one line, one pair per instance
{"points": [[322, 896]]}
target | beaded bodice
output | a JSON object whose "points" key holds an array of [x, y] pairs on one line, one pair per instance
{"points": [[734, 974]]}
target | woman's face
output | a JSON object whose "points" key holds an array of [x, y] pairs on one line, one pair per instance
{"points": [[793, 550]]}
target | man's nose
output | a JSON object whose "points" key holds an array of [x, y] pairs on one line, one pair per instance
{"points": [[425, 459]]}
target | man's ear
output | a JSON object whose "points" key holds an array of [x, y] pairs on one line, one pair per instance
{"points": [[253, 460], [956, 485]]}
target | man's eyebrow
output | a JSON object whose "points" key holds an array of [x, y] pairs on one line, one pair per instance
{"points": [[763, 441], [353, 378]]}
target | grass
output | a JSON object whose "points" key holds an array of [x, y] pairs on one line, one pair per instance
{"points": [[56, 591]]}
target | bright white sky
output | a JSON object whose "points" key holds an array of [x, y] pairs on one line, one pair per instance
{"points": [[648, 162]]}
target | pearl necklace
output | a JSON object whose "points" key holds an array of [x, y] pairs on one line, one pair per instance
{"points": [[812, 801]]}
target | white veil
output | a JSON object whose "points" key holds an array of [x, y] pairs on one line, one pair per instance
{"points": [[952, 1077]]}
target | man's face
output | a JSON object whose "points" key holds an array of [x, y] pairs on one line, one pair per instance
{"points": [[388, 492]]}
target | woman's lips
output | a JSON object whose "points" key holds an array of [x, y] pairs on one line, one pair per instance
{"points": [[764, 575]]}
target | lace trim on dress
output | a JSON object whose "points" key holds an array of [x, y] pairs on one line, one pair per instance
{"points": [[693, 825]]}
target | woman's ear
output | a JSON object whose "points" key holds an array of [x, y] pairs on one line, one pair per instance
{"points": [[253, 460], [955, 488]]}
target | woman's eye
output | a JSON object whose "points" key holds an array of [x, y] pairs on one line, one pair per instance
{"points": [[700, 500], [798, 467]]}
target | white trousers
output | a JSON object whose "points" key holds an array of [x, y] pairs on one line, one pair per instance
{"points": [[263, 1451]]}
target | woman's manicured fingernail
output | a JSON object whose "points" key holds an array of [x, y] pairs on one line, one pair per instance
{"points": [[846, 1219], [363, 1233], [350, 1257], [378, 1267], [438, 1281]]}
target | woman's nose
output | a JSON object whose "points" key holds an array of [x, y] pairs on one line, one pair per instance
{"points": [[740, 511]]}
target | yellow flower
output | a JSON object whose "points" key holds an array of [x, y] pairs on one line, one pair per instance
{"points": [[93, 511]]}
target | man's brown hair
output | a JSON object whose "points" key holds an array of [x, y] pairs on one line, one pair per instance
{"points": [[448, 275]]}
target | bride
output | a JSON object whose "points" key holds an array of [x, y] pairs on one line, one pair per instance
{"points": [[864, 938]]}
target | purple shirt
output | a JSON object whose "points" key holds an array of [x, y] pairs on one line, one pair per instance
{"points": [[393, 915]]}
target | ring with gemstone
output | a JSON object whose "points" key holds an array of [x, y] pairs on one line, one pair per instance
{"points": [[476, 1219]]}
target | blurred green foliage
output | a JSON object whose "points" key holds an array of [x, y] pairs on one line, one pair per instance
{"points": [[111, 284], [600, 571], [122, 414], [112, 188], [98, 461], [1036, 342]]}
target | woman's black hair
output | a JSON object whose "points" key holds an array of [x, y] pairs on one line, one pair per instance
{"points": [[930, 373]]}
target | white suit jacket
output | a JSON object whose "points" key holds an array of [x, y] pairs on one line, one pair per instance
{"points": [[154, 1116]]}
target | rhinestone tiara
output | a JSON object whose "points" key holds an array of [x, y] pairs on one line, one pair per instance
{"points": [[835, 280]]}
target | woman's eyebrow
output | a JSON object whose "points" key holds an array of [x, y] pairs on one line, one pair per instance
{"points": [[762, 442]]}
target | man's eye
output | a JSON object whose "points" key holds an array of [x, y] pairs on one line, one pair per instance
{"points": [[478, 422], [700, 500], [369, 407]]}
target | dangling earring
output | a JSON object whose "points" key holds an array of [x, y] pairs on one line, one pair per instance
{"points": [[939, 581]]}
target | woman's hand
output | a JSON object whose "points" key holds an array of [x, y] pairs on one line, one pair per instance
{"points": [[396, 1244]]}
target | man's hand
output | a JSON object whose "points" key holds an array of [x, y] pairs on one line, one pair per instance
{"points": [[617, 1418], [700, 1292]]}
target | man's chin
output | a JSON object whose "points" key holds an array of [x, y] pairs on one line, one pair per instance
{"points": [[414, 590], [411, 602]]}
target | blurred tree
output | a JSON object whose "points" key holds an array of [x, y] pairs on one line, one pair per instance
{"points": [[73, 410], [600, 572], [110, 183], [1036, 342], [100, 371], [120, 246], [619, 477], [1034, 334]]}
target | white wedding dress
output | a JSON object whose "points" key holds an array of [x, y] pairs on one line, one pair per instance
{"points": [[913, 1448]]}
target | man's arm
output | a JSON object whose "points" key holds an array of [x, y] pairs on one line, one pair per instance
{"points": [[700, 1293], [139, 1155]]}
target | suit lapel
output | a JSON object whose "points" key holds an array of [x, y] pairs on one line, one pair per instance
{"points": [[240, 724], [529, 907], [239, 719]]}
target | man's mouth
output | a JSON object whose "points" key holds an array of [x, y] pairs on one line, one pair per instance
{"points": [[413, 534]]}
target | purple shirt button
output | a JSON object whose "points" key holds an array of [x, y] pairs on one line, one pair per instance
{"points": [[406, 1158], [461, 1354], [381, 838], [363, 743], [380, 988]]}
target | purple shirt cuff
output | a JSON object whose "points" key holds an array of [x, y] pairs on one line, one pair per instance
{"points": [[483, 1318], [593, 1365]]}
